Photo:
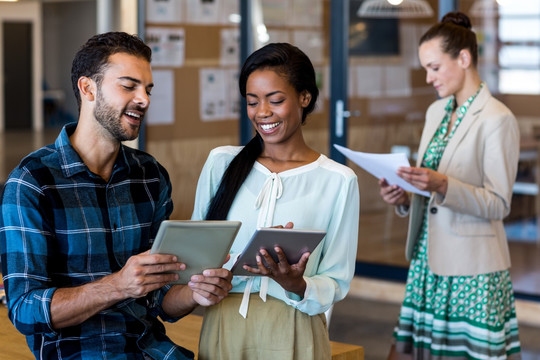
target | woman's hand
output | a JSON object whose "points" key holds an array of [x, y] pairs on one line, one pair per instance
{"points": [[424, 179], [393, 194], [290, 277], [288, 225]]}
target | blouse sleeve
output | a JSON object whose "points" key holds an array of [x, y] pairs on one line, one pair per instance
{"points": [[335, 270], [209, 181]]}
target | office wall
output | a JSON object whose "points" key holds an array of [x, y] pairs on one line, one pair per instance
{"points": [[387, 114], [183, 144], [29, 12], [66, 26]]}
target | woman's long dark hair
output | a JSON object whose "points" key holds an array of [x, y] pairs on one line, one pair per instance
{"points": [[295, 66]]}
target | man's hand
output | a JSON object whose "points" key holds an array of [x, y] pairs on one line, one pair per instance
{"points": [[206, 289], [211, 287], [141, 274], [146, 272]]}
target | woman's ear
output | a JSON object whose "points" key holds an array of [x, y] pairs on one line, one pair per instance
{"points": [[464, 58], [87, 88], [305, 98]]}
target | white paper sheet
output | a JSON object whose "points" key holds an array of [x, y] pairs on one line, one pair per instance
{"points": [[212, 94], [275, 12], [202, 12], [164, 11], [382, 166], [168, 46], [161, 110], [233, 95], [230, 47]]}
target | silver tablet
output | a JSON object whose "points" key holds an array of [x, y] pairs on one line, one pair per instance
{"points": [[198, 244], [293, 242]]}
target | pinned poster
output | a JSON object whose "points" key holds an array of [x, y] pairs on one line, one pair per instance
{"points": [[203, 12], [161, 110], [233, 93], [164, 11], [168, 46], [212, 95], [230, 47], [307, 13]]}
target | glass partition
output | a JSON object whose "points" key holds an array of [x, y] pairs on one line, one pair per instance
{"points": [[388, 97], [389, 90]]}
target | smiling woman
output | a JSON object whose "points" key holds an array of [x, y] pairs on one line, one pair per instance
{"points": [[277, 180], [275, 109]]}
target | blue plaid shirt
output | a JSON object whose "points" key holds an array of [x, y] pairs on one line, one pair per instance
{"points": [[63, 226]]}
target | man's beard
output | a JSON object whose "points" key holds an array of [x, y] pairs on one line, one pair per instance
{"points": [[110, 120]]}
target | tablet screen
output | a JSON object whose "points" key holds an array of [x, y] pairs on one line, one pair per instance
{"points": [[198, 244], [293, 242]]}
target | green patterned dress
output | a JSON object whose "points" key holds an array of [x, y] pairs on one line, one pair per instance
{"points": [[449, 317]]}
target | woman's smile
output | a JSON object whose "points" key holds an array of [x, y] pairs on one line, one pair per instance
{"points": [[269, 127]]}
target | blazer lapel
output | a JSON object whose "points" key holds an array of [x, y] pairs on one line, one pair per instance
{"points": [[472, 115], [430, 127]]}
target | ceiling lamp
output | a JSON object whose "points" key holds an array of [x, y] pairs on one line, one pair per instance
{"points": [[483, 8], [487, 7], [401, 9]]}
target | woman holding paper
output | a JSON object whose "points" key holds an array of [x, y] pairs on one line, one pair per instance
{"points": [[276, 179], [459, 301]]}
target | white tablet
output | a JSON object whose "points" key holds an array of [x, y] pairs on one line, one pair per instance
{"points": [[198, 244], [293, 242]]}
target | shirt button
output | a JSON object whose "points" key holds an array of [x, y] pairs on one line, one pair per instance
{"points": [[433, 210]]}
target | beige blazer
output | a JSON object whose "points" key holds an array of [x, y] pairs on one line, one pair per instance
{"points": [[465, 229]]}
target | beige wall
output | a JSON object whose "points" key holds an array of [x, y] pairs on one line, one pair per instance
{"points": [[29, 11]]}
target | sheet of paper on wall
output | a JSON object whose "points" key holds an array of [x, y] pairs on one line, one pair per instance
{"points": [[212, 94], [382, 166], [161, 111], [275, 12], [232, 102], [167, 44], [228, 12], [202, 12], [164, 11], [307, 13], [230, 47]]}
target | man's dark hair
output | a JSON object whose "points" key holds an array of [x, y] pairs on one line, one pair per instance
{"points": [[92, 58]]}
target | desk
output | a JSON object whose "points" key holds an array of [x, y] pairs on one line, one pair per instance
{"points": [[184, 332], [13, 344]]}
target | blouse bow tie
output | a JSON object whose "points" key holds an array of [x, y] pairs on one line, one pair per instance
{"points": [[271, 191]]}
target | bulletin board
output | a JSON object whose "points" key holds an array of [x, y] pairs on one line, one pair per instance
{"points": [[196, 62]]}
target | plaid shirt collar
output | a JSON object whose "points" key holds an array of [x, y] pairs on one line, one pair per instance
{"points": [[70, 161]]}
